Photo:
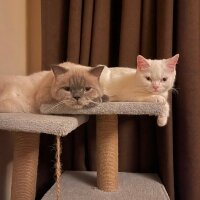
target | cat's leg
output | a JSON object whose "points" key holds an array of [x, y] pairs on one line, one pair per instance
{"points": [[162, 118], [155, 98], [8, 106]]}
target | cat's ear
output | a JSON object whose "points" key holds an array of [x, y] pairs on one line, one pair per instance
{"points": [[171, 62], [96, 71], [58, 70], [142, 63]]}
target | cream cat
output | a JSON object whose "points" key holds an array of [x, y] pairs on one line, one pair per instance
{"points": [[74, 88], [150, 82]]}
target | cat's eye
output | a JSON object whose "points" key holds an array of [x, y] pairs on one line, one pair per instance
{"points": [[164, 79], [87, 88], [66, 89], [148, 78]]}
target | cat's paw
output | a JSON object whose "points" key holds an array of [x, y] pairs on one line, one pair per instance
{"points": [[105, 98], [90, 105], [162, 120], [158, 99]]}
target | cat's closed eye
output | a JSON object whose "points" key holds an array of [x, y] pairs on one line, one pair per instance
{"points": [[88, 89], [66, 88]]}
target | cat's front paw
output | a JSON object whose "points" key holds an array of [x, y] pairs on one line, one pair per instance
{"points": [[105, 98], [162, 120], [158, 99], [90, 105], [163, 117]]}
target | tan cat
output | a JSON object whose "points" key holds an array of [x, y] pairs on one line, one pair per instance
{"points": [[74, 88]]}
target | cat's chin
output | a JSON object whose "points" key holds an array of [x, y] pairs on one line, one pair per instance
{"points": [[83, 106], [77, 107], [155, 92]]}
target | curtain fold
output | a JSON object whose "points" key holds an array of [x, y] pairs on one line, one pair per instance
{"points": [[186, 103], [114, 32], [164, 49]]}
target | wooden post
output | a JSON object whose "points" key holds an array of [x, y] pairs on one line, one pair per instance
{"points": [[107, 152], [25, 166]]}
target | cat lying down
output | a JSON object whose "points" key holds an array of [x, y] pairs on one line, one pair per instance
{"points": [[150, 82], [78, 86], [75, 88]]}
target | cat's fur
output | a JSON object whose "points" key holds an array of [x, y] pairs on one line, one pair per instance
{"points": [[150, 82], [74, 88]]}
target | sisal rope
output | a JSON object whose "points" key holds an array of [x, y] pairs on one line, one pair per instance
{"points": [[107, 152], [58, 167], [25, 166]]}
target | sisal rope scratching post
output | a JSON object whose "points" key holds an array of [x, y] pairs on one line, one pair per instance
{"points": [[107, 152], [25, 166], [58, 167]]}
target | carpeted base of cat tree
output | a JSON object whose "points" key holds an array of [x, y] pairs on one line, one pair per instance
{"points": [[82, 186]]}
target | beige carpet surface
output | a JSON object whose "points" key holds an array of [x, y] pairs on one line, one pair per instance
{"points": [[132, 186], [123, 108], [38, 123]]}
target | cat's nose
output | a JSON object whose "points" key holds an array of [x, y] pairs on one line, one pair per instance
{"points": [[77, 98], [155, 87]]}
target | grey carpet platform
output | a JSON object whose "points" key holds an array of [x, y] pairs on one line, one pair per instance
{"points": [[38, 123], [132, 186], [123, 108]]}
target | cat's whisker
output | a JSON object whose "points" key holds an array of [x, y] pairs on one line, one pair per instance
{"points": [[91, 101], [56, 105], [174, 90]]}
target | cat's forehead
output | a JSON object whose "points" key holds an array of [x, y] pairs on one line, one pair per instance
{"points": [[157, 68], [157, 64], [77, 80]]}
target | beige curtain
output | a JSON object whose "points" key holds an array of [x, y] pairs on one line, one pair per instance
{"points": [[114, 32]]}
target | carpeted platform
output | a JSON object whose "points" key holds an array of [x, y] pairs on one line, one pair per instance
{"points": [[38, 123], [108, 108], [132, 186]]}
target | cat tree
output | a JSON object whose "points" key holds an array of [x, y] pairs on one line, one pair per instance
{"points": [[27, 128], [27, 143]]}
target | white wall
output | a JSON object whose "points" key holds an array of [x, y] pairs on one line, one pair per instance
{"points": [[13, 40], [20, 52], [13, 59]]}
